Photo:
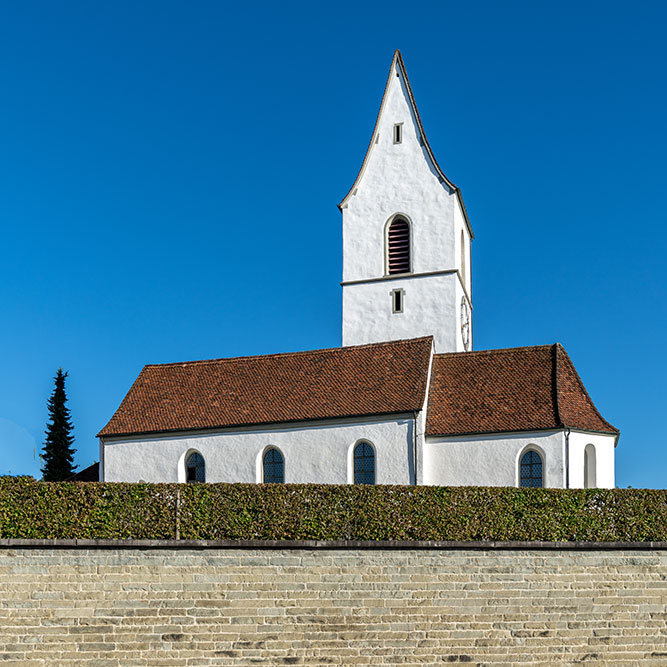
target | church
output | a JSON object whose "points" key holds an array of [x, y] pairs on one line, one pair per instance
{"points": [[405, 400]]}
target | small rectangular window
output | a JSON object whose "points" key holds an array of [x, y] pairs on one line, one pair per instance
{"points": [[398, 133], [397, 300]]}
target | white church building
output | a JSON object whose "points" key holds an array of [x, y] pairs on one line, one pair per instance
{"points": [[405, 400]]}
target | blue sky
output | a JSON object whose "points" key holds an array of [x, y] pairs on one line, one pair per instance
{"points": [[169, 174]]}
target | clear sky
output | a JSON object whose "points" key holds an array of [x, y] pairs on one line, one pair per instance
{"points": [[169, 174]]}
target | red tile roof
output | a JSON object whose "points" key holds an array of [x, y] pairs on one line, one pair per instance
{"points": [[379, 378], [516, 389]]}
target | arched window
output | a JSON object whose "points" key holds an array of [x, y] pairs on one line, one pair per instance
{"points": [[273, 467], [195, 468], [590, 481], [364, 463], [398, 246], [531, 470]]}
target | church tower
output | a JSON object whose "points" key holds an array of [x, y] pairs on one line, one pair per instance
{"points": [[406, 236]]}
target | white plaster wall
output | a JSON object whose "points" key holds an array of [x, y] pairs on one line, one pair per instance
{"points": [[604, 458], [316, 453], [420, 425], [431, 307], [398, 178], [491, 460]]}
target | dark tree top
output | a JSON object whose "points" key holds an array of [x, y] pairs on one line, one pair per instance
{"points": [[58, 454]]}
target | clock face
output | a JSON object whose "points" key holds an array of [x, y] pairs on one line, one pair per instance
{"points": [[465, 323]]}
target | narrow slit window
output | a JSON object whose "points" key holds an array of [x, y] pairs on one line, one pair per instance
{"points": [[398, 133], [463, 258], [397, 300], [398, 246], [589, 467]]}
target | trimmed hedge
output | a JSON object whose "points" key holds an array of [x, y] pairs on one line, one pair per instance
{"points": [[30, 509]]}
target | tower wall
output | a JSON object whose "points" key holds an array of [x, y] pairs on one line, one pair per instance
{"points": [[429, 308], [400, 178]]}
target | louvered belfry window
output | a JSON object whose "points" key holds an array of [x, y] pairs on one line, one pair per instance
{"points": [[398, 246]]}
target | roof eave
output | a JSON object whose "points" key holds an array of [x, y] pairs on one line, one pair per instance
{"points": [[537, 429], [220, 427]]}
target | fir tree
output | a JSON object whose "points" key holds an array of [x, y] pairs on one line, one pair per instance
{"points": [[58, 455]]}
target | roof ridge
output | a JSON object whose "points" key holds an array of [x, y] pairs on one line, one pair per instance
{"points": [[273, 355], [497, 350], [584, 390]]}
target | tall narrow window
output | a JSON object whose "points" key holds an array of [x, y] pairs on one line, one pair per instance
{"points": [[364, 463], [398, 246], [273, 467], [195, 468], [590, 480], [398, 133], [463, 258], [530, 470]]}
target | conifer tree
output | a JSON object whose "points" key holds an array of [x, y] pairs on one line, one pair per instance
{"points": [[58, 455]]}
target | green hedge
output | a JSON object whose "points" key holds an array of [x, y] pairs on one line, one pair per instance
{"points": [[30, 509]]}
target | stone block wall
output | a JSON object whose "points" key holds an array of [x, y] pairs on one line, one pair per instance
{"points": [[133, 604]]}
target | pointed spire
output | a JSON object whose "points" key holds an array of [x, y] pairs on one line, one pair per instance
{"points": [[398, 68]]}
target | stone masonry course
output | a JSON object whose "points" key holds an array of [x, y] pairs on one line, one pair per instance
{"points": [[118, 606]]}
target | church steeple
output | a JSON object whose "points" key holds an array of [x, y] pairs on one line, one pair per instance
{"points": [[406, 235]]}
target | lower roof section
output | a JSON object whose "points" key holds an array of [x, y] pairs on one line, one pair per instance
{"points": [[513, 389]]}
